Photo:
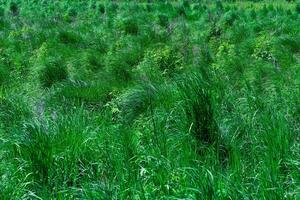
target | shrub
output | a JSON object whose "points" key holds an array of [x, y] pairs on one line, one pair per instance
{"points": [[148, 7], [52, 72], [263, 48]]}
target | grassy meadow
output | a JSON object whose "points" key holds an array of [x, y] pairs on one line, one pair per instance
{"points": [[146, 100]]}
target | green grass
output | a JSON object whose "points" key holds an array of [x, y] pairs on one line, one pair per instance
{"points": [[149, 100]]}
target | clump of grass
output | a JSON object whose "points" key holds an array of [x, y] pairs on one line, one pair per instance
{"points": [[14, 8], [101, 8], [130, 26], [2, 12], [122, 58], [55, 153], [229, 18], [297, 8], [199, 109], [97, 93], [219, 6], [70, 15], [69, 37], [290, 42], [136, 101], [112, 7], [181, 10], [14, 109], [4, 74], [163, 20], [52, 72]]}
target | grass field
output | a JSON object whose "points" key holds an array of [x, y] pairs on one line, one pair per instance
{"points": [[165, 100]]}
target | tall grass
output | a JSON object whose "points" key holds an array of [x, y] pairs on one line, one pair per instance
{"points": [[149, 100]]}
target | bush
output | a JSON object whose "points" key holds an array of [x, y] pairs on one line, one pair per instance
{"points": [[52, 72]]}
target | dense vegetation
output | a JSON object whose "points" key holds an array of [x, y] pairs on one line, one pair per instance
{"points": [[149, 100]]}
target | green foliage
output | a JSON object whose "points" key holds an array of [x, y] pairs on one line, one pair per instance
{"points": [[68, 37], [101, 8], [4, 74], [163, 59], [52, 72], [163, 20], [98, 93], [2, 12], [149, 100], [129, 26], [136, 101], [199, 109], [14, 8], [121, 59], [297, 8]]}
